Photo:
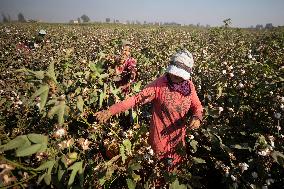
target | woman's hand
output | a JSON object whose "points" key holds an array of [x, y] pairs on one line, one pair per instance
{"points": [[195, 123], [103, 116]]}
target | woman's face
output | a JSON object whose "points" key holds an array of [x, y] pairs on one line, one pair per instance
{"points": [[126, 50], [175, 79]]}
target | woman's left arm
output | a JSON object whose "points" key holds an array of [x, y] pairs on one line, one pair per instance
{"points": [[196, 106]]}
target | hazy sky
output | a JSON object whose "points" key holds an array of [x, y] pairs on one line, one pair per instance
{"points": [[243, 13]]}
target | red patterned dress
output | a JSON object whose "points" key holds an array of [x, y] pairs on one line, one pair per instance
{"points": [[169, 115]]}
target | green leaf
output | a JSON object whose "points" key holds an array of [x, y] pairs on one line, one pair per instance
{"points": [[43, 93], [198, 160], [37, 138], [43, 147], [110, 171], [135, 166], [60, 173], [278, 157], [131, 184], [37, 74], [243, 146], [114, 91], [78, 90], [127, 145], [93, 98], [29, 150], [59, 111], [25, 145], [194, 144], [176, 185], [46, 165], [261, 141], [102, 96], [47, 178], [134, 115], [50, 72], [137, 86], [122, 153], [219, 90], [136, 177], [80, 103], [40, 178], [213, 112], [76, 167], [97, 68], [92, 67], [15, 143], [102, 181]]}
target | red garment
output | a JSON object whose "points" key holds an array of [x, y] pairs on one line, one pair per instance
{"points": [[169, 110]]}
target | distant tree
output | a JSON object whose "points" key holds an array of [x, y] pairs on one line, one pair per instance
{"points": [[107, 20], [85, 18], [5, 18], [268, 26], [21, 17], [79, 20], [227, 22]]}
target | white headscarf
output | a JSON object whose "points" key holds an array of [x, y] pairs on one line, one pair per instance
{"points": [[181, 64]]}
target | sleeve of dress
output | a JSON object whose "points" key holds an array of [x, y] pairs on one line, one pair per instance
{"points": [[143, 97], [196, 106]]}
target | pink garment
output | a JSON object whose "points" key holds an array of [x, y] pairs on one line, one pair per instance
{"points": [[128, 66], [169, 115], [127, 71]]}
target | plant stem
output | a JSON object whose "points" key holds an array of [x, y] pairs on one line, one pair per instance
{"points": [[16, 164], [20, 183]]}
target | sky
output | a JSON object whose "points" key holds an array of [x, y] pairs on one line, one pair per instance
{"points": [[243, 13]]}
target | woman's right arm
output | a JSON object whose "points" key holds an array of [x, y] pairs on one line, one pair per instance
{"points": [[143, 97]]}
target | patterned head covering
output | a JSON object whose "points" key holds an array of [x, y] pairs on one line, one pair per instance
{"points": [[181, 64], [42, 32]]}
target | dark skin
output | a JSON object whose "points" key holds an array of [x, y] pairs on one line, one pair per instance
{"points": [[105, 115]]}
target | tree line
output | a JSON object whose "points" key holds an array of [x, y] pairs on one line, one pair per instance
{"points": [[21, 18]]}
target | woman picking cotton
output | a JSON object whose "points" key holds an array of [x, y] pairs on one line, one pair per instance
{"points": [[172, 96]]}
